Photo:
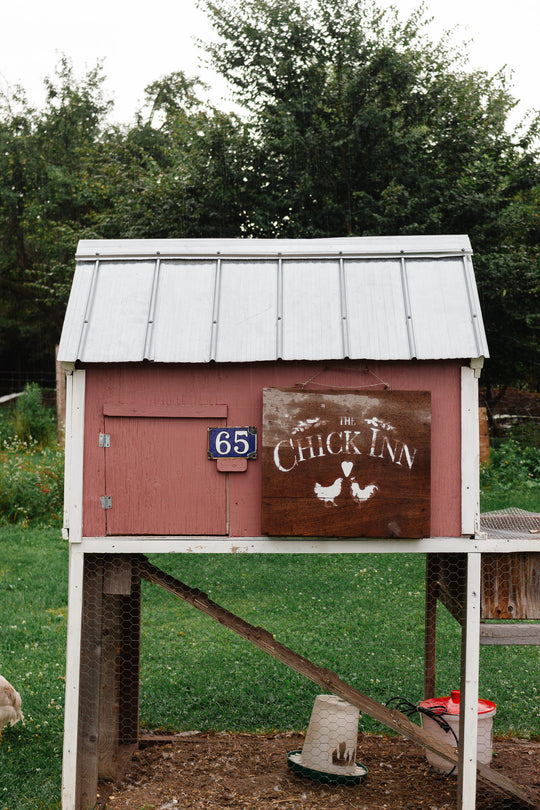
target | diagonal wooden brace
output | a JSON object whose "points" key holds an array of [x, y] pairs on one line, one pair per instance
{"points": [[324, 677]]}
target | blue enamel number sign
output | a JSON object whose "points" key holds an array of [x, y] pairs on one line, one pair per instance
{"points": [[232, 442]]}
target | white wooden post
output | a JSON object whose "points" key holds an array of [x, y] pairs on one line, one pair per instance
{"points": [[470, 668], [470, 452], [73, 487], [73, 493], [73, 657]]}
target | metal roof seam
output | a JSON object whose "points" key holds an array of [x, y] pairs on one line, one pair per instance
{"points": [[408, 309], [279, 310], [205, 256], [215, 310], [474, 305], [88, 309], [344, 310], [149, 338]]}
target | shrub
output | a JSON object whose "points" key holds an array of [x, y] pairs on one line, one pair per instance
{"points": [[512, 467], [31, 483], [31, 420]]}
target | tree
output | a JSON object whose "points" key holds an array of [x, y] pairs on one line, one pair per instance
{"points": [[50, 194], [362, 125], [185, 161]]}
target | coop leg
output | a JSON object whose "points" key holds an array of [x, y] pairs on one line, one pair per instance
{"points": [[128, 730], [119, 692], [91, 646], [71, 710], [109, 691], [470, 666]]}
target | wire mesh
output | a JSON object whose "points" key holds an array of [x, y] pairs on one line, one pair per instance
{"points": [[510, 523], [151, 666]]}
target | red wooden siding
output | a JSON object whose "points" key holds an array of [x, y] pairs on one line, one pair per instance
{"points": [[239, 387]]}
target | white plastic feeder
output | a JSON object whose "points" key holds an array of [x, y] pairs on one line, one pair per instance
{"points": [[330, 744], [448, 708]]}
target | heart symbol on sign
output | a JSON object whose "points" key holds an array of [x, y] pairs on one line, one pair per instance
{"points": [[346, 466]]}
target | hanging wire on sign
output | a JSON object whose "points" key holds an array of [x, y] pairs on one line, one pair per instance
{"points": [[436, 713]]}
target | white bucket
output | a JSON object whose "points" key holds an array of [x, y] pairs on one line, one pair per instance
{"points": [[450, 712], [330, 744]]}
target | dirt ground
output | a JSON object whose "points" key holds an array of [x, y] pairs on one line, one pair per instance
{"points": [[250, 772]]}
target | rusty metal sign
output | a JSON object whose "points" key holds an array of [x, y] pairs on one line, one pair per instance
{"points": [[346, 463]]}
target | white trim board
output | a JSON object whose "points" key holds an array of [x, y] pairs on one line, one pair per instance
{"points": [[271, 545]]}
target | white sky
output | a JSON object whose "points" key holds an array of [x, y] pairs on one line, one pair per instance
{"points": [[141, 42]]}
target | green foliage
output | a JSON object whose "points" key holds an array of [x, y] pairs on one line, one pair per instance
{"points": [[511, 478], [512, 467], [31, 484], [31, 463], [33, 422]]}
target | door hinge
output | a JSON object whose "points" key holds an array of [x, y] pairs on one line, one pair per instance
{"points": [[104, 439], [106, 502]]}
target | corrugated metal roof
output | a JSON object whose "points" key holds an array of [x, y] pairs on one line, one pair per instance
{"points": [[246, 300]]}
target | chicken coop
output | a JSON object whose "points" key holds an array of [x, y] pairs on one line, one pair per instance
{"points": [[262, 396]]}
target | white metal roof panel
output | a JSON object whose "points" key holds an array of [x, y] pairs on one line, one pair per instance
{"points": [[440, 308], [181, 322], [376, 311], [311, 310], [117, 311], [246, 319], [180, 301]]}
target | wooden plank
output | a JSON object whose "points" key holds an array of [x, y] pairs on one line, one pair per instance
{"points": [[73, 660], [128, 722], [76, 455], [174, 411], [485, 450], [204, 544], [470, 668], [117, 574], [160, 478], [88, 736], [323, 677], [109, 688], [510, 586], [511, 634], [470, 453], [346, 463]]}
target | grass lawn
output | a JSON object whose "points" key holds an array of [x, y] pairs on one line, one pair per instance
{"points": [[33, 612], [361, 616]]}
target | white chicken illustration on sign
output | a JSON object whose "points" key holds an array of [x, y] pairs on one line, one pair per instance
{"points": [[359, 494]]}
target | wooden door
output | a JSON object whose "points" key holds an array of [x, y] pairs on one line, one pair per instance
{"points": [[159, 477]]}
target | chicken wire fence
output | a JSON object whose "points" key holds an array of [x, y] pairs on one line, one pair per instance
{"points": [[153, 666]]}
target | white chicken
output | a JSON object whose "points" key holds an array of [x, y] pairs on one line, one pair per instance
{"points": [[328, 494], [10, 705], [360, 495]]}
